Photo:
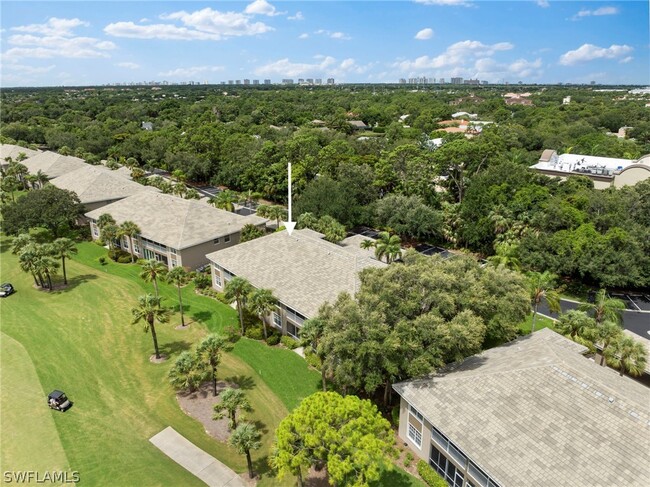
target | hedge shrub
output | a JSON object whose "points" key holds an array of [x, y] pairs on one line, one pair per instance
{"points": [[273, 339], [255, 332], [430, 476], [289, 342]]}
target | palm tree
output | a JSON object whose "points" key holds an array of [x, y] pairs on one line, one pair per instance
{"points": [[208, 354], [577, 326], [151, 271], [192, 194], [388, 246], [305, 220], [311, 334], [232, 401], [246, 438], [262, 303], [179, 189], [605, 308], [178, 277], [104, 219], [277, 213], [236, 290], [64, 248], [367, 244], [109, 233], [47, 266], [185, 374], [628, 355], [41, 178], [224, 200], [130, 229], [606, 334], [506, 256], [179, 176], [542, 285], [150, 309], [19, 242], [27, 261]]}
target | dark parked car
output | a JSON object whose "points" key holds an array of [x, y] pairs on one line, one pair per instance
{"points": [[58, 400], [6, 289]]}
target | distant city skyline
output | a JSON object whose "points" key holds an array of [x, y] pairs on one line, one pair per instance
{"points": [[532, 41]]}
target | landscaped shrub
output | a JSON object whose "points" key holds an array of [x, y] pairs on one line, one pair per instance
{"points": [[273, 339], [221, 297], [289, 342], [408, 459], [312, 359], [201, 281], [102, 260], [255, 332], [115, 255], [430, 476], [124, 259], [232, 333], [394, 414]]}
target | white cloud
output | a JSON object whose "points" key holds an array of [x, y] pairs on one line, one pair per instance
{"points": [[24, 69], [297, 16], [190, 72], [424, 34], [262, 7], [303, 36], [205, 24], [626, 60], [457, 54], [54, 27], [595, 13], [326, 65], [589, 52], [128, 65], [522, 68], [341, 36], [462, 3], [543, 3]]}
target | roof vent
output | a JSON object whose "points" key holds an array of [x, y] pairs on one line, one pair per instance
{"points": [[611, 399]]}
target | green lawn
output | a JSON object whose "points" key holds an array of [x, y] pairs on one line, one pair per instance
{"points": [[540, 322], [80, 339]]}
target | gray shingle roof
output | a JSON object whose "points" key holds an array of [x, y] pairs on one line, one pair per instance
{"points": [[10, 150], [97, 183], [302, 270], [536, 412], [53, 164], [173, 221]]}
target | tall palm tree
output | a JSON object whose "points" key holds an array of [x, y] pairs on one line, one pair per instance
{"points": [[605, 308], [542, 285], [232, 401], [208, 354], [388, 246], [41, 178], [246, 438], [104, 219], [185, 373], [607, 333], [262, 303], [109, 233], [149, 309], [577, 326], [64, 248], [178, 277], [47, 266], [224, 200], [130, 229], [506, 256], [628, 355], [19, 242], [236, 290], [152, 270], [277, 213], [27, 261]]}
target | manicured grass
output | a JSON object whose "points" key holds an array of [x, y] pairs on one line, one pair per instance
{"points": [[540, 322], [32, 444], [397, 477]]}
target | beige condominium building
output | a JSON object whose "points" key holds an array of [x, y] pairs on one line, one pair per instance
{"points": [[13, 152], [53, 164], [533, 412], [175, 231], [303, 271]]}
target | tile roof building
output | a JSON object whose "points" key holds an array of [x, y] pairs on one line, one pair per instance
{"points": [[14, 151], [174, 230], [53, 164], [532, 412], [303, 271], [98, 186]]}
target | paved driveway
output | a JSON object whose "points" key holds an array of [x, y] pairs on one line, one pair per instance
{"points": [[192, 458]]}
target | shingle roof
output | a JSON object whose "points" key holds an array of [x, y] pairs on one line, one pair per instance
{"points": [[302, 270], [53, 164], [536, 412], [93, 184], [10, 150], [173, 221]]}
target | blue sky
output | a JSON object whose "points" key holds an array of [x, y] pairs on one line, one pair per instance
{"points": [[544, 41]]}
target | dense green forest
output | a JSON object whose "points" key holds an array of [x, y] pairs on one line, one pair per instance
{"points": [[476, 194]]}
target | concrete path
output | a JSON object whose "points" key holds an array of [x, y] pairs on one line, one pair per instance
{"points": [[192, 458]]}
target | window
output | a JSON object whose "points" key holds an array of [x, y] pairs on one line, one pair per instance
{"points": [[444, 467], [216, 241], [415, 422], [226, 239], [136, 249], [95, 230], [125, 243], [174, 263], [217, 279], [277, 321], [293, 330], [173, 251]]}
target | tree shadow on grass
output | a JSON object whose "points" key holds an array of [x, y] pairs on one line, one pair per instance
{"points": [[73, 282], [261, 466], [174, 347], [202, 316], [244, 382], [261, 426], [394, 478]]}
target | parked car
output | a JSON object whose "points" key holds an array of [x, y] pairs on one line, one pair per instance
{"points": [[6, 289], [58, 400]]}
